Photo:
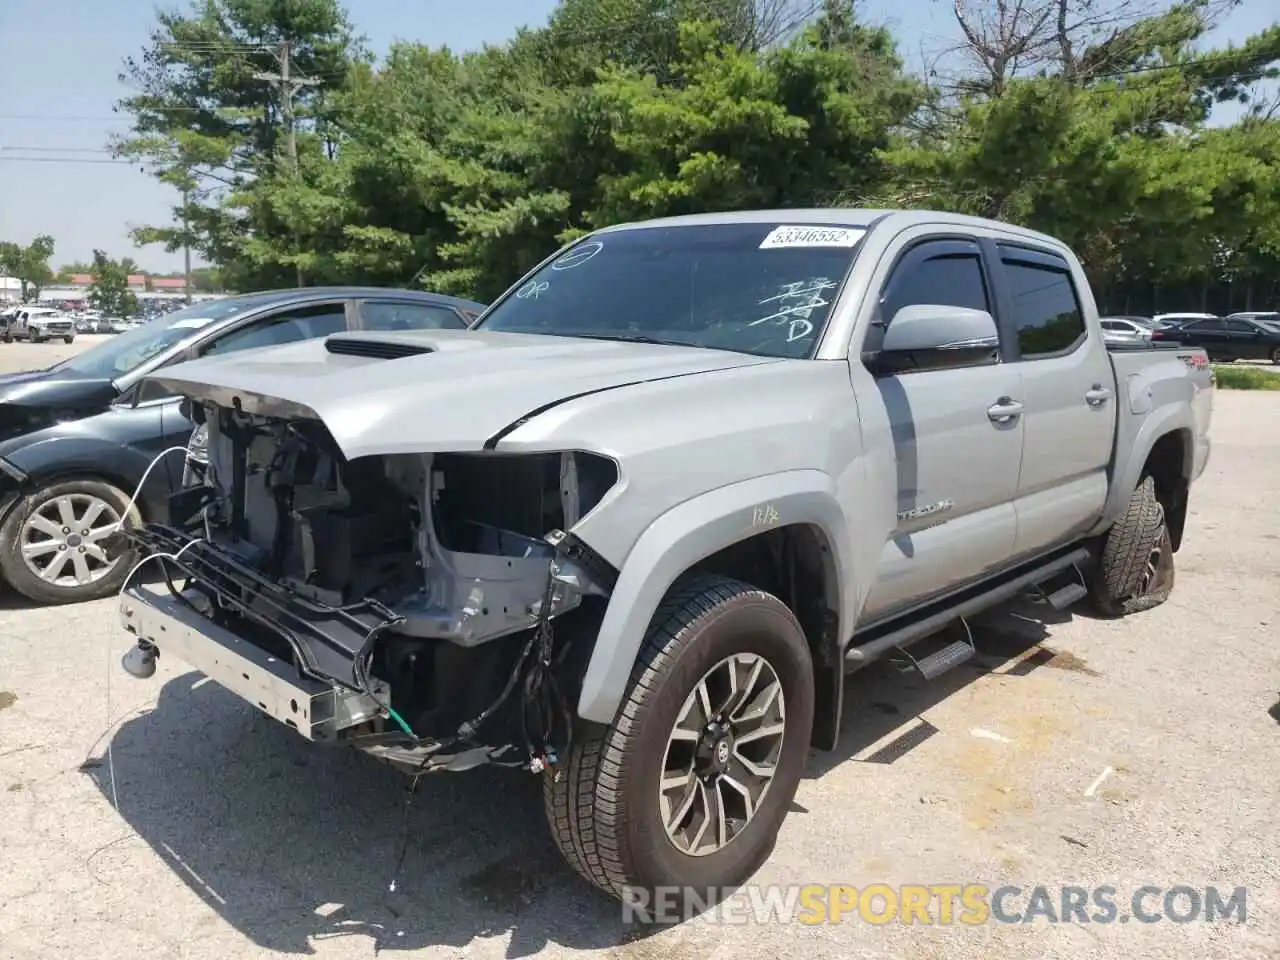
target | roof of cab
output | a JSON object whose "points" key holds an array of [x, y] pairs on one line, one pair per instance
{"points": [[266, 298], [864, 217]]}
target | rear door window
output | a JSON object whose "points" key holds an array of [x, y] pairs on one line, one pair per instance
{"points": [[1046, 311], [1204, 326], [408, 315], [288, 326]]}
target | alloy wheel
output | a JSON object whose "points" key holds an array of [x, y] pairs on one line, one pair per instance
{"points": [[61, 541], [722, 754]]}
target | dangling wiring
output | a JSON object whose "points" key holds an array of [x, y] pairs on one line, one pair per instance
{"points": [[137, 492], [541, 690], [542, 711]]}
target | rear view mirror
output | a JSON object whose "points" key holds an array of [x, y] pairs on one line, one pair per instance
{"points": [[931, 336]]}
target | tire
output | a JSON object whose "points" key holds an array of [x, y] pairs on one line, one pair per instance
{"points": [[1135, 568], [68, 339], [22, 529], [604, 806], [1275, 356]]}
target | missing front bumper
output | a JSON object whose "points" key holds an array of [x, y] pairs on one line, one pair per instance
{"points": [[327, 641], [318, 711]]}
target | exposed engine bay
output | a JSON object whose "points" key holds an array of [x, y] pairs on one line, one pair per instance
{"points": [[424, 587]]}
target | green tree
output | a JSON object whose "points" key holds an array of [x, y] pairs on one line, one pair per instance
{"points": [[29, 264], [1108, 146], [210, 124], [110, 291], [1088, 119]]}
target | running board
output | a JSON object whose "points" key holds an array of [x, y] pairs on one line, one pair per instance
{"points": [[1064, 597], [946, 657], [897, 633]]}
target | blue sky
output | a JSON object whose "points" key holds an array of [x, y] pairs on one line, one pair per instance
{"points": [[58, 82]]}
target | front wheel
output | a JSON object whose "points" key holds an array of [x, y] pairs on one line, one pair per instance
{"points": [[68, 339], [1275, 355], [1135, 568], [690, 783], [52, 544]]}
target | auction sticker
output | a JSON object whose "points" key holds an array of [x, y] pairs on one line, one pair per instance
{"points": [[786, 236]]}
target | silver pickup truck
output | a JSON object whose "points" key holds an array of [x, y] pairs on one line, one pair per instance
{"points": [[633, 528]]}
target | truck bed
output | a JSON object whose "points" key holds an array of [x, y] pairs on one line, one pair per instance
{"points": [[1151, 378]]}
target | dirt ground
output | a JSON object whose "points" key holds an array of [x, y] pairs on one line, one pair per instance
{"points": [[166, 818]]}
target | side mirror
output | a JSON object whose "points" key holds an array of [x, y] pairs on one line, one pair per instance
{"points": [[127, 397], [927, 336]]}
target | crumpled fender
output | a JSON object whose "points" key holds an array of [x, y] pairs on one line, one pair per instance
{"points": [[691, 532]]}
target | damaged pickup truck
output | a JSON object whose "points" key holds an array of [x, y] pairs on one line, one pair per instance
{"points": [[631, 530]]}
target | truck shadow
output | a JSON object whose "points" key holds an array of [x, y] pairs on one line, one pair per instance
{"points": [[292, 843], [884, 704]]}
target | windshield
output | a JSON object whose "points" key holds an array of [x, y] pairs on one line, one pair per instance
{"points": [[759, 288], [125, 351]]}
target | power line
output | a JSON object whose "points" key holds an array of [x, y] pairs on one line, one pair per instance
{"points": [[42, 149], [79, 160], [55, 118]]}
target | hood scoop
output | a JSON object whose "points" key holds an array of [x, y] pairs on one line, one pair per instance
{"points": [[374, 349]]}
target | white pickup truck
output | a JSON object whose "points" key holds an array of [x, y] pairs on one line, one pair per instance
{"points": [[37, 324], [631, 529]]}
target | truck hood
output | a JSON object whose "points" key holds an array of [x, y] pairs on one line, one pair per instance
{"points": [[460, 390]]}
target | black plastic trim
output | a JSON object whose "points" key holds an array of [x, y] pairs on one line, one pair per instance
{"points": [[326, 640], [373, 349], [903, 628]]}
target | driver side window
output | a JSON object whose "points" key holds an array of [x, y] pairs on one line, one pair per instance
{"points": [[937, 273], [289, 326], [949, 279]]}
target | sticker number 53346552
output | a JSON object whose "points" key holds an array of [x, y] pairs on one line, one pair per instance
{"points": [[797, 236]]}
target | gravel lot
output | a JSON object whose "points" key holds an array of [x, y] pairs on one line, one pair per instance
{"points": [[207, 831]]}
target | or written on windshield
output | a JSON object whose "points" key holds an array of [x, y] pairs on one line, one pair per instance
{"points": [[750, 287]]}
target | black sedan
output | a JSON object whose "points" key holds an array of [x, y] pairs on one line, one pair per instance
{"points": [[76, 438], [1252, 337]]}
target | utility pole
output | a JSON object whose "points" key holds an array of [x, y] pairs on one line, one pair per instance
{"points": [[287, 85], [186, 246]]}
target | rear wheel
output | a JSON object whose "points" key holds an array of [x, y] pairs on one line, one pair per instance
{"points": [[690, 783], [1135, 568], [52, 545], [1275, 355]]}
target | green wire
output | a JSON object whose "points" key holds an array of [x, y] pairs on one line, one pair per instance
{"points": [[400, 720]]}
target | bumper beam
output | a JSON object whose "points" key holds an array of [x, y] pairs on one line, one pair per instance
{"points": [[315, 709]]}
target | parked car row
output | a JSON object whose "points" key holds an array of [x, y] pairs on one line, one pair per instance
{"points": [[1240, 336], [1254, 335], [76, 437]]}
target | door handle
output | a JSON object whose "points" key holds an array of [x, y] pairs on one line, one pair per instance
{"points": [[1004, 410], [1098, 395]]}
